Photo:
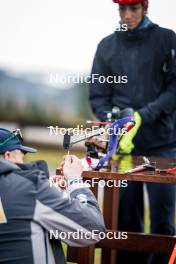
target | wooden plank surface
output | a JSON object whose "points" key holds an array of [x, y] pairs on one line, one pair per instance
{"points": [[140, 242], [140, 177], [114, 171]]}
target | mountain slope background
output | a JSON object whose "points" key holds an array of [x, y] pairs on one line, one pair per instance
{"points": [[34, 103]]}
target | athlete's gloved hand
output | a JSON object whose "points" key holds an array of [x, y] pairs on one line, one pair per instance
{"points": [[126, 143]]}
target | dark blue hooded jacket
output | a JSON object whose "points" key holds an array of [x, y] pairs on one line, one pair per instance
{"points": [[147, 57]]}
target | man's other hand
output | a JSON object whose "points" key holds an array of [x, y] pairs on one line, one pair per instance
{"points": [[72, 167]]}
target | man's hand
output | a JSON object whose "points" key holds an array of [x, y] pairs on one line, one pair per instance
{"points": [[72, 167], [126, 143]]}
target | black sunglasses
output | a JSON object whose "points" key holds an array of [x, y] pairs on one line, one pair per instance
{"points": [[16, 133]]}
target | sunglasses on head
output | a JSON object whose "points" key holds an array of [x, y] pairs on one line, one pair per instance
{"points": [[16, 133]]}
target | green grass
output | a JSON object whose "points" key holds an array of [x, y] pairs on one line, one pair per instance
{"points": [[52, 157], [147, 221]]}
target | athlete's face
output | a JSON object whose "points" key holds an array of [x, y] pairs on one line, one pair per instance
{"points": [[131, 15]]}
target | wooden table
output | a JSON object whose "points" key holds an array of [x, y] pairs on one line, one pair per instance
{"points": [[136, 241]]}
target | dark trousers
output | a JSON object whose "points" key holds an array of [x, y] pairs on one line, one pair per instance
{"points": [[162, 212]]}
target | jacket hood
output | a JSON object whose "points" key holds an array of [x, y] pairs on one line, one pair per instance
{"points": [[7, 166], [137, 33], [35, 165]]}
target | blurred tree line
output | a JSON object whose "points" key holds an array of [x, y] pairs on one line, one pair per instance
{"points": [[32, 103]]}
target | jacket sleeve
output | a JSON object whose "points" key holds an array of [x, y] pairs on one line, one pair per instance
{"points": [[166, 102], [63, 214], [100, 94]]}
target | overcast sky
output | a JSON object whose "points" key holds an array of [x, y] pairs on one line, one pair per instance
{"points": [[45, 35]]}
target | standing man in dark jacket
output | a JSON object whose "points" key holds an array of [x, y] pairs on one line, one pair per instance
{"points": [[35, 216], [143, 61]]}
